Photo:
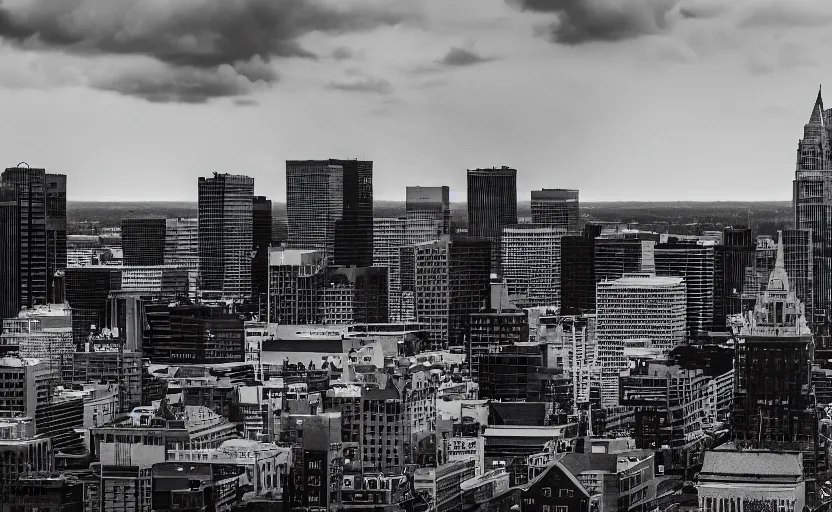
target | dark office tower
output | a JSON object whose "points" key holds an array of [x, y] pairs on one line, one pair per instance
{"points": [[30, 185], [694, 263], [225, 237], [194, 334], [329, 206], [469, 283], [143, 241], [732, 261], [774, 404], [9, 253], [354, 232], [87, 289], [556, 206], [577, 264], [492, 204], [262, 236], [431, 203], [55, 235], [624, 254], [812, 202]]}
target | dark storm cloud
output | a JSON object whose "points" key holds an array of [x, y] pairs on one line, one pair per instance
{"points": [[584, 21], [460, 57], [364, 85], [189, 34]]}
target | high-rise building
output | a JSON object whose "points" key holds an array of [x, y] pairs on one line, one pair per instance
{"points": [[774, 405], [195, 334], [449, 279], [30, 185], [55, 235], [556, 206], [492, 205], [732, 260], [531, 262], [9, 252], [577, 263], [314, 203], [431, 203], [225, 236], [329, 205], [143, 241], [490, 330], [389, 236], [182, 243], [366, 288], [812, 201], [694, 263], [798, 261], [636, 309], [262, 236], [87, 289]]}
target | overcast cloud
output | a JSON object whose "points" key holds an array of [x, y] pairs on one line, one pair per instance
{"points": [[635, 99]]}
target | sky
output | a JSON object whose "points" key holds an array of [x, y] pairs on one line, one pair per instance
{"points": [[621, 99]]}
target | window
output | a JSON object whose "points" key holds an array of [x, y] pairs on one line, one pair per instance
{"points": [[547, 508], [547, 492], [562, 493], [561, 508]]}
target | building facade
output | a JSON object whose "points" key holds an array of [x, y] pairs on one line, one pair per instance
{"points": [[9, 252], [696, 264], [262, 238], [492, 205], [531, 262], [143, 241], [430, 203], [225, 235], [558, 207], [182, 243]]}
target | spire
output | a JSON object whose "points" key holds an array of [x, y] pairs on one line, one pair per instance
{"points": [[779, 262], [817, 111]]}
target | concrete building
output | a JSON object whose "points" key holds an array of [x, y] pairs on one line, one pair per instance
{"points": [[225, 235], [490, 330], [317, 459], [143, 241], [182, 243], [22, 451], [751, 480], [694, 263], [531, 262], [439, 487], [27, 338], [636, 308], [492, 205], [112, 366], [557, 207]]}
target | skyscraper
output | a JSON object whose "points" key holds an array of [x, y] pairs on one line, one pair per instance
{"points": [[577, 262], [329, 205], [87, 289], [314, 203], [9, 253], [694, 263], [633, 309], [531, 262], [143, 241], [55, 234], [262, 236], [30, 185], [492, 205], [225, 235], [556, 206], [732, 260], [623, 254], [182, 243], [432, 203], [812, 202]]}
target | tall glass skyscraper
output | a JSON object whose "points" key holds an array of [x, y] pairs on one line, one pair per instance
{"points": [[492, 205], [143, 241], [225, 235]]}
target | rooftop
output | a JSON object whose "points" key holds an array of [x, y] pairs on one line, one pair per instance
{"points": [[750, 464]]}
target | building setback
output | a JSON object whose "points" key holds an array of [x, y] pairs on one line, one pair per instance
{"points": [[30, 185], [9, 253], [143, 241], [556, 206], [492, 205], [636, 308], [225, 235]]}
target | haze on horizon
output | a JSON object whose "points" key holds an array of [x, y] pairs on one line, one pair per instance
{"points": [[694, 100]]}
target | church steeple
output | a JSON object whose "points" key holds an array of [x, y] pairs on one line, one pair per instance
{"points": [[817, 111]]}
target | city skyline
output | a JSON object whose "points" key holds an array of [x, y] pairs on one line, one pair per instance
{"points": [[640, 93]]}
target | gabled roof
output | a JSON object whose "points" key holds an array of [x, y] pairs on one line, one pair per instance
{"points": [[556, 466]]}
